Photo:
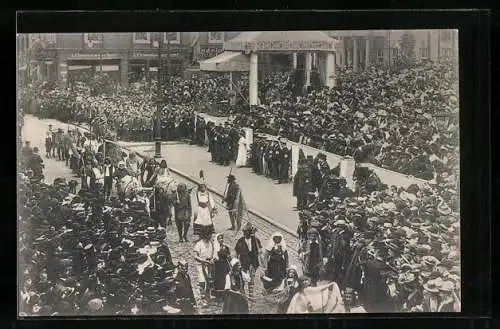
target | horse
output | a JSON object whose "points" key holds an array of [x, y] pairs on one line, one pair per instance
{"points": [[322, 299]]}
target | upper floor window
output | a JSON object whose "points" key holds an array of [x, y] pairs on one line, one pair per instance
{"points": [[141, 37], [215, 37], [446, 35], [424, 52], [172, 37], [92, 39]]}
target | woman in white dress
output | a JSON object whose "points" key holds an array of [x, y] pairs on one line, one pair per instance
{"points": [[241, 160], [205, 211]]}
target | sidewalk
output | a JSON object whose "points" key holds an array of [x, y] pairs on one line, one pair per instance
{"points": [[260, 193]]}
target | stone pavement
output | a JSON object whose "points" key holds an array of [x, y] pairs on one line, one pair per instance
{"points": [[260, 193], [34, 130]]}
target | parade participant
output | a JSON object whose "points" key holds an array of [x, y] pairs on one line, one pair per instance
{"points": [[87, 156], [88, 177], [222, 266], [299, 296], [60, 144], [204, 253], [235, 300], [205, 211], [291, 284], [133, 165], [351, 301], [275, 262], [67, 143], [183, 290], [241, 159], [148, 167], [35, 163], [183, 211], [302, 185], [311, 255], [121, 171], [249, 252], [108, 172], [48, 144], [233, 200]]}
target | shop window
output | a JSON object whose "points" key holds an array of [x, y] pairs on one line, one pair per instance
{"points": [[172, 37], [215, 37], [142, 37]]}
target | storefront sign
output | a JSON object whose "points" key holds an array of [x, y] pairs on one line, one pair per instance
{"points": [[164, 53], [209, 52], [94, 55], [281, 45]]}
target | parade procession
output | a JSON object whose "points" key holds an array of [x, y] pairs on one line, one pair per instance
{"points": [[290, 172]]}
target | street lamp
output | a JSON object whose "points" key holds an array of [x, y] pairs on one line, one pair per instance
{"points": [[442, 120], [157, 120]]}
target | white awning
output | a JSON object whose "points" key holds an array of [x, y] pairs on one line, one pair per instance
{"points": [[228, 61], [108, 68], [79, 67]]}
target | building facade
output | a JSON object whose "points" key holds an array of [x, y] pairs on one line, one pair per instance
{"points": [[360, 49], [132, 56]]}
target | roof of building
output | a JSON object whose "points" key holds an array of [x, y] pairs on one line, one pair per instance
{"points": [[281, 41]]}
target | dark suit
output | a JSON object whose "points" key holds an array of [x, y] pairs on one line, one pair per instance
{"points": [[108, 180], [249, 259]]}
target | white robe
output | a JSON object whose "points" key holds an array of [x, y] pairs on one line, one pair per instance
{"points": [[203, 216], [241, 160]]}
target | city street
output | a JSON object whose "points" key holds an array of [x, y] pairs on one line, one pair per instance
{"points": [[260, 193], [34, 130]]}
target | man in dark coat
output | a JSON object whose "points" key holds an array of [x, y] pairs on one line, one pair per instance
{"points": [[249, 252], [302, 185], [35, 163], [183, 290], [284, 165], [233, 200], [26, 153]]}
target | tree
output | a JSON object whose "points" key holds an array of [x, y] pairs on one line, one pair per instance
{"points": [[407, 45]]}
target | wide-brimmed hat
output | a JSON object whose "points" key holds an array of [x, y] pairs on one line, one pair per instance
{"points": [[433, 285]]}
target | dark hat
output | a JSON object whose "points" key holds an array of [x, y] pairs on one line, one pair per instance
{"points": [[163, 164], [231, 177], [249, 227]]}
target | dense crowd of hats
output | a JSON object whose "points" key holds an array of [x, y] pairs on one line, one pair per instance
{"points": [[82, 255], [414, 231]]}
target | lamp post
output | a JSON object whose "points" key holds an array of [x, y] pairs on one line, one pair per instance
{"points": [[157, 120]]}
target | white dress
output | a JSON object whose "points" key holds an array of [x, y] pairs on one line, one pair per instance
{"points": [[203, 219], [241, 160]]}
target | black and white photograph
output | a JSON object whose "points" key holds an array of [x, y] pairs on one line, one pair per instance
{"points": [[229, 172]]}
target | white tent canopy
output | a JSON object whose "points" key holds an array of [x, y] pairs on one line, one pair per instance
{"points": [[228, 61]]}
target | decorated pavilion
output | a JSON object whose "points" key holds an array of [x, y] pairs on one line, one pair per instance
{"points": [[241, 54]]}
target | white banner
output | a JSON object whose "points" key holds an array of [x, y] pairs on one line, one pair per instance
{"points": [[347, 166]]}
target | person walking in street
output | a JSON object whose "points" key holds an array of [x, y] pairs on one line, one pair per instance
{"points": [[35, 164], [204, 255], [108, 171], [205, 211], [133, 164], [235, 299], [183, 211], [222, 265], [241, 159], [275, 261], [48, 144], [249, 252], [233, 202]]}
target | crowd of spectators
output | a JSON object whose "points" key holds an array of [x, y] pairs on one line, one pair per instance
{"points": [[386, 117]]}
